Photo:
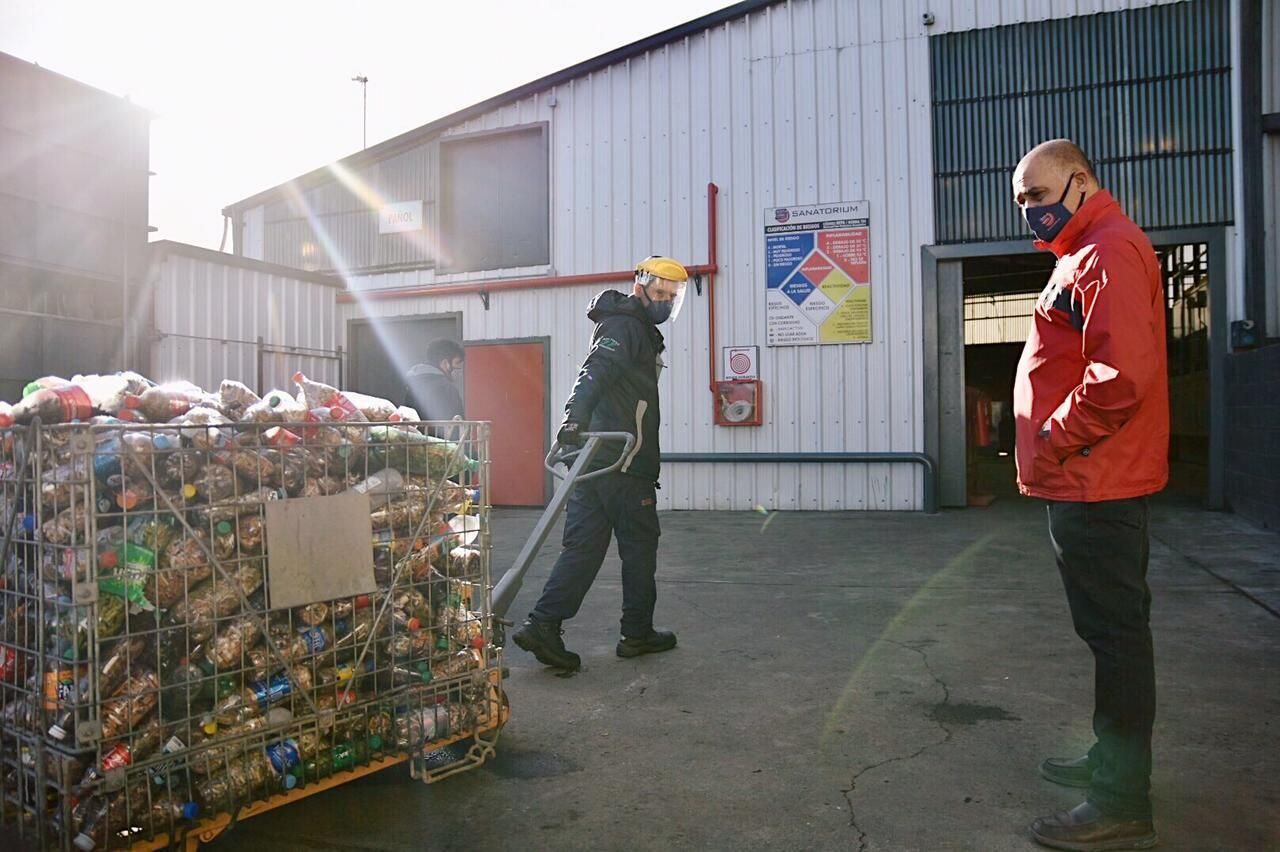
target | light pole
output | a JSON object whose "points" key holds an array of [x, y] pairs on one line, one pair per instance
{"points": [[364, 112]]}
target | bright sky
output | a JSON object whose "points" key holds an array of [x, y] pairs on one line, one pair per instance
{"points": [[250, 94]]}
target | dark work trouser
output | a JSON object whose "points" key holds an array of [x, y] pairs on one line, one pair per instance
{"points": [[1102, 550], [615, 504]]}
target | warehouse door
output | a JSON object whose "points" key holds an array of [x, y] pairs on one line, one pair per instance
{"points": [[383, 349], [985, 304], [506, 384]]}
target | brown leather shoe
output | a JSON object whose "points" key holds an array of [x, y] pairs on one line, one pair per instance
{"points": [[1084, 828]]}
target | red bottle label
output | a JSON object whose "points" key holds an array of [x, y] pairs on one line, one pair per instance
{"points": [[76, 404], [116, 758], [9, 665]]}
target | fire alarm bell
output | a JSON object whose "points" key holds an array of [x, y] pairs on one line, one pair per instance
{"points": [[742, 362], [738, 402]]}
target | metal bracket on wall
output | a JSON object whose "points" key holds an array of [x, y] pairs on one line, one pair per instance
{"points": [[484, 297], [697, 283]]}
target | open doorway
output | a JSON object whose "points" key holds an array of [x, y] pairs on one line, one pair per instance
{"points": [[1000, 294]]}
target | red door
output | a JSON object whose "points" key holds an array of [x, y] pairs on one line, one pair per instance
{"points": [[506, 384]]}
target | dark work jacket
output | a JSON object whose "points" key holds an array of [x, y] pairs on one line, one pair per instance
{"points": [[433, 393], [617, 388]]}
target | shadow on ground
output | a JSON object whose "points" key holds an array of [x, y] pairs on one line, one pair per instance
{"points": [[850, 681]]}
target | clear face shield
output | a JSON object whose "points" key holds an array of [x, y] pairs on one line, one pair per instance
{"points": [[661, 292]]}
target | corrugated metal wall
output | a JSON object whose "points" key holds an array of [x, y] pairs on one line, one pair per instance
{"points": [[335, 225], [73, 174], [804, 102], [210, 311], [801, 103], [1146, 93]]}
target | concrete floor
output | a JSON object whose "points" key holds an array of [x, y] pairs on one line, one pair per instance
{"points": [[850, 681]]}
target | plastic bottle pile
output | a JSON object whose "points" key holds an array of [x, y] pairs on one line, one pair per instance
{"points": [[144, 680]]}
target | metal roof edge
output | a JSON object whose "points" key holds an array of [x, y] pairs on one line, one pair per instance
{"points": [[408, 138], [160, 249], [124, 100]]}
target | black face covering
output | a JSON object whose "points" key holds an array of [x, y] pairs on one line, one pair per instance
{"points": [[658, 311], [1048, 220]]}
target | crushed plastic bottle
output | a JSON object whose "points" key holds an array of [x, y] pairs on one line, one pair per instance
{"points": [[163, 403], [254, 699], [236, 398], [216, 600], [78, 399], [276, 406], [319, 395], [134, 700]]}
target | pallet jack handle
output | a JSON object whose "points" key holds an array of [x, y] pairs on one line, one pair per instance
{"points": [[507, 588]]}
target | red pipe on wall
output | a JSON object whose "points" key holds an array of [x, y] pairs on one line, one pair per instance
{"points": [[708, 269], [712, 267], [497, 286]]}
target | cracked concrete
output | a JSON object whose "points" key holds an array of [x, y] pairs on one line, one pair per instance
{"points": [[850, 681], [918, 648]]}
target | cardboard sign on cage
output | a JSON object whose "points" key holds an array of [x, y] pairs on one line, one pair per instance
{"points": [[738, 403], [318, 549]]}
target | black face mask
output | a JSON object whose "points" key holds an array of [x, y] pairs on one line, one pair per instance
{"points": [[1048, 220], [658, 312]]}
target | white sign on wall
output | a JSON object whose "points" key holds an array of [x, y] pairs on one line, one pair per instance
{"points": [[400, 217], [818, 265], [742, 362]]}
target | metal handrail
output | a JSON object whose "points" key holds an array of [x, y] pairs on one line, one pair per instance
{"points": [[930, 467]]}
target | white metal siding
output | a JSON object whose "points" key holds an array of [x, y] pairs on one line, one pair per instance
{"points": [[803, 102], [800, 103], [255, 233], [209, 315]]}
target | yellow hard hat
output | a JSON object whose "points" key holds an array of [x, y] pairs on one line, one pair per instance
{"points": [[663, 267]]}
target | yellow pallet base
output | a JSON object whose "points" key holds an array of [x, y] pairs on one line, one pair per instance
{"points": [[207, 830]]}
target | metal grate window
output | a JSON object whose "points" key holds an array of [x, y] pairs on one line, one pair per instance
{"points": [[998, 317], [1146, 93]]}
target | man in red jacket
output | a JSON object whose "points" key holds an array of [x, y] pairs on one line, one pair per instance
{"points": [[1091, 401]]}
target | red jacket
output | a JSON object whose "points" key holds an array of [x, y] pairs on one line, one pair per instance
{"points": [[1091, 397]]}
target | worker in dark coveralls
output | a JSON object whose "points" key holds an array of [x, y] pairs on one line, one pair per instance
{"points": [[616, 391], [1091, 402], [432, 387]]}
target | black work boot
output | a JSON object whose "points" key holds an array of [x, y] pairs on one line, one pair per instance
{"points": [[652, 643], [1084, 828], [544, 642], [1074, 772]]}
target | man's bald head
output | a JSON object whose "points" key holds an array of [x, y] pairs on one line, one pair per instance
{"points": [[1043, 174], [1064, 155]]}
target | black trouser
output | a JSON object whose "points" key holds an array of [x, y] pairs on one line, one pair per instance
{"points": [[615, 504], [1102, 551]]}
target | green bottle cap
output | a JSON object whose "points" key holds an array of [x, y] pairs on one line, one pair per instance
{"points": [[375, 742], [223, 527]]}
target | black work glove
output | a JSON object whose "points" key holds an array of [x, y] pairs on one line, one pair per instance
{"points": [[570, 434]]}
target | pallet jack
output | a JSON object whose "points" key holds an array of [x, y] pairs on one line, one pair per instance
{"points": [[576, 461]]}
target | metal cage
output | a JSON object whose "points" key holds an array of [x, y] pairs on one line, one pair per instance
{"points": [[147, 682]]}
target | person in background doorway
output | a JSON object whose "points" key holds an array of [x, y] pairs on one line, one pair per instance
{"points": [[432, 388], [616, 391], [1091, 403]]}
